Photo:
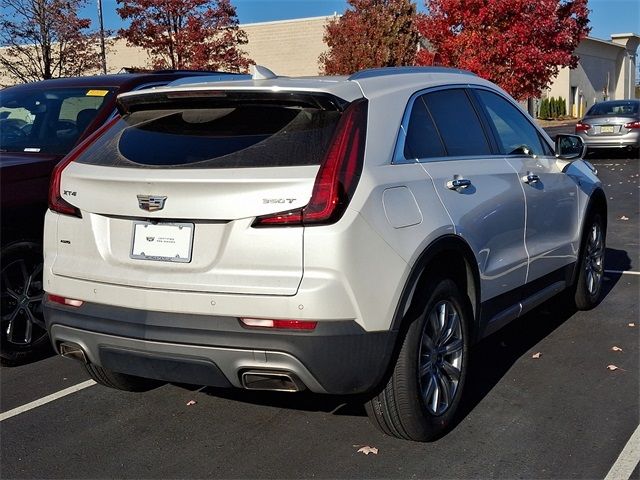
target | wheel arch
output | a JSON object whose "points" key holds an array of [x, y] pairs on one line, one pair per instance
{"points": [[448, 255], [597, 203]]}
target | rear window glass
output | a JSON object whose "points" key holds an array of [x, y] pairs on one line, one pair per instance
{"points": [[615, 108], [423, 140], [220, 136], [457, 123]]}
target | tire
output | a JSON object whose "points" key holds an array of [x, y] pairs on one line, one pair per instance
{"points": [[23, 334], [121, 381], [411, 406], [588, 284]]}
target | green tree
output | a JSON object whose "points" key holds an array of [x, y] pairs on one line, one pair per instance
{"points": [[544, 109]]}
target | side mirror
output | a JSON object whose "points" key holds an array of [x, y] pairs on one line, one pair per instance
{"points": [[570, 147]]}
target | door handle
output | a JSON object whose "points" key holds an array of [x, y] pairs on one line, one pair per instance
{"points": [[530, 178], [458, 183]]}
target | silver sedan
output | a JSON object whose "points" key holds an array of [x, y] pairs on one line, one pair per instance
{"points": [[612, 124]]}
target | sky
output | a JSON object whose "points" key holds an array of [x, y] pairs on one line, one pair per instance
{"points": [[607, 16]]}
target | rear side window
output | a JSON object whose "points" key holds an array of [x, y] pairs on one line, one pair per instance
{"points": [[423, 140], [514, 131], [457, 122], [221, 135]]}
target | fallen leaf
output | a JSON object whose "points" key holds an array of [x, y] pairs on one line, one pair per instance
{"points": [[616, 349], [191, 402], [625, 218], [367, 450], [612, 367], [536, 355], [632, 324]]}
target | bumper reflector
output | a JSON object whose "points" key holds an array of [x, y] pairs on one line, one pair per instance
{"points": [[278, 324], [64, 301]]}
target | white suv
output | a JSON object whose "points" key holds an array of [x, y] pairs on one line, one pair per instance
{"points": [[340, 234]]}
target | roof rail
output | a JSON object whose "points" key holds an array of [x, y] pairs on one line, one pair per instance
{"points": [[179, 70], [381, 72]]}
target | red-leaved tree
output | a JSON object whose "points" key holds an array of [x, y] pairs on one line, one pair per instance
{"points": [[371, 33], [518, 44], [44, 39], [186, 34]]}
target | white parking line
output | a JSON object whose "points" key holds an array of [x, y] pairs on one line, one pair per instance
{"points": [[628, 459], [625, 272], [47, 399]]}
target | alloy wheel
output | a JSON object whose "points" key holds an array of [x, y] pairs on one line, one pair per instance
{"points": [[440, 357], [22, 318], [594, 261]]}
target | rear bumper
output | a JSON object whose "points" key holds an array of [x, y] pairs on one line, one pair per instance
{"points": [[337, 357], [623, 141]]}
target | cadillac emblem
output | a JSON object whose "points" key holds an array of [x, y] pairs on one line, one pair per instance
{"points": [[151, 203]]}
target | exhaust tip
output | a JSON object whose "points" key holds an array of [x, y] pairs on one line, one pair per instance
{"points": [[272, 381], [72, 351]]}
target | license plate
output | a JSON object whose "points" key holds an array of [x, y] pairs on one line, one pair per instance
{"points": [[607, 129], [162, 242]]}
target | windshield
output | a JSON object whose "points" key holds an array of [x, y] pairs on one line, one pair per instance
{"points": [[622, 108], [47, 121]]}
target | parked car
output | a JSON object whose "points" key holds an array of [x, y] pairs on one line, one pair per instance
{"points": [[40, 122], [612, 125], [346, 235]]}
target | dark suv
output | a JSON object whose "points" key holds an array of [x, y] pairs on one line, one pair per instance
{"points": [[41, 122]]}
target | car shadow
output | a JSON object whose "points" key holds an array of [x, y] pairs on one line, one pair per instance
{"points": [[491, 358], [45, 353], [612, 154], [303, 401]]}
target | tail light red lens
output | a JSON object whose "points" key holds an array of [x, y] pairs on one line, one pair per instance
{"points": [[337, 177], [582, 127], [632, 125], [278, 324], [70, 302], [56, 202]]}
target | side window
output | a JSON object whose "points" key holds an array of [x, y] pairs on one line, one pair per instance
{"points": [[80, 111], [422, 139], [457, 122], [514, 131]]}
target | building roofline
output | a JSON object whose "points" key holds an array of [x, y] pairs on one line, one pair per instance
{"points": [[290, 20], [624, 35], [606, 42]]}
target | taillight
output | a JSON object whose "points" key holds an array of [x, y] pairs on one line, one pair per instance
{"points": [[582, 127], [56, 202], [278, 324], [632, 125], [70, 302], [337, 177]]}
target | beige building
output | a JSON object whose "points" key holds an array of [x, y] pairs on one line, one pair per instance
{"points": [[288, 47], [606, 71]]}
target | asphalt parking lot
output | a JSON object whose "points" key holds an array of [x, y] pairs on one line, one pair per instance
{"points": [[561, 415]]}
